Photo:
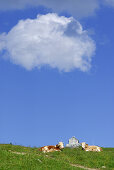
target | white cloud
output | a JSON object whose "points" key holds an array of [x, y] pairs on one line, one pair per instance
{"points": [[58, 42], [78, 8]]}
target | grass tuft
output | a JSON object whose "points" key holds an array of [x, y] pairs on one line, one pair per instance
{"points": [[15, 157]]}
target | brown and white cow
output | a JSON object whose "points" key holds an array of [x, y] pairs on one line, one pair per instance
{"points": [[52, 148], [93, 148]]}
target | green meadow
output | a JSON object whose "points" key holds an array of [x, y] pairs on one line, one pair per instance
{"points": [[14, 157]]}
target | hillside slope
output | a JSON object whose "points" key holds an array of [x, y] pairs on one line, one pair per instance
{"points": [[13, 157]]}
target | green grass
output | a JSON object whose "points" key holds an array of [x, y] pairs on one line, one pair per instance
{"points": [[36, 160]]}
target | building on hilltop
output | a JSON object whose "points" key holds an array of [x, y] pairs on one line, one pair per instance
{"points": [[73, 143]]}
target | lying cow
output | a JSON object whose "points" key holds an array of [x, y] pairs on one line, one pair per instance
{"points": [[91, 148], [52, 148]]}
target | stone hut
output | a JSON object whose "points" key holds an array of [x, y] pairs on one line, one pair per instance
{"points": [[73, 143]]}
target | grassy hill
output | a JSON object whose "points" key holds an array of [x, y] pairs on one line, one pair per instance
{"points": [[14, 157]]}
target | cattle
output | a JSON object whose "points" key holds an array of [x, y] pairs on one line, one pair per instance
{"points": [[93, 148], [52, 148]]}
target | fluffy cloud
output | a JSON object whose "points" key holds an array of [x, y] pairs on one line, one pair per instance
{"points": [[51, 40], [78, 8]]}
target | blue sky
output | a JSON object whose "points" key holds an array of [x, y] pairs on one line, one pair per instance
{"points": [[56, 72]]}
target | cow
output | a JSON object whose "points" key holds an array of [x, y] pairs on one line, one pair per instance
{"points": [[52, 148], [93, 148]]}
